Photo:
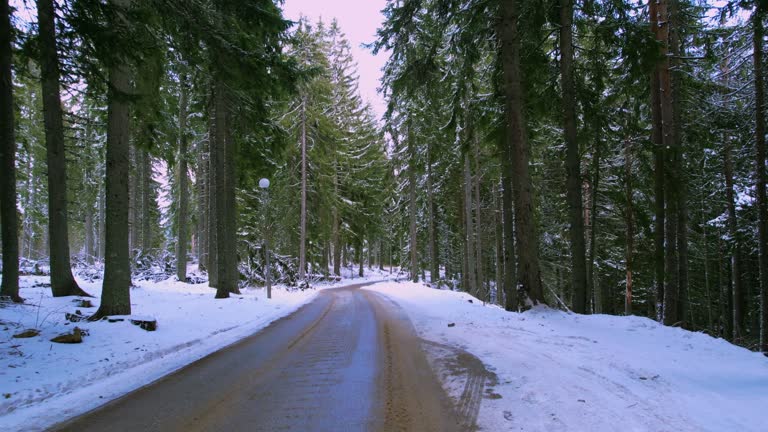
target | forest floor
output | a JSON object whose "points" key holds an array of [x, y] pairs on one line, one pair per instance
{"points": [[542, 370], [43, 383]]}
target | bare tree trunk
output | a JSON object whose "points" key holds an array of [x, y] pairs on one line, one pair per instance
{"points": [[89, 237], [733, 233], [134, 208], [469, 232], [115, 295], [726, 293], [181, 243], [630, 225], [62, 281], [529, 274], [8, 215], [762, 205], [498, 234], [412, 206], [223, 148], [593, 195], [147, 201], [336, 237], [478, 224], [434, 272], [102, 223], [672, 148], [508, 225], [202, 204], [213, 188], [303, 228], [572, 161], [659, 169]]}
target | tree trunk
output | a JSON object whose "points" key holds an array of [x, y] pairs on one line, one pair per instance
{"points": [[671, 174], [509, 283], [572, 161], [102, 223], [478, 224], [89, 238], [659, 169], [762, 205], [412, 206], [303, 227], [202, 204], [726, 312], [213, 189], [226, 245], [115, 295], [630, 225], [62, 282], [148, 202], [336, 222], [8, 215], [593, 195], [134, 208], [529, 273], [498, 234], [469, 231], [181, 223], [733, 233], [434, 272]]}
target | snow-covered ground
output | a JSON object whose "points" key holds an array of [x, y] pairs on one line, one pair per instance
{"points": [[561, 372], [42, 383], [554, 371]]}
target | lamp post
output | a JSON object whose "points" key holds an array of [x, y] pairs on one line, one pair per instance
{"points": [[264, 184]]}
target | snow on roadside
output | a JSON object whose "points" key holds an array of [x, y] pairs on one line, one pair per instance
{"points": [[42, 383], [559, 371]]}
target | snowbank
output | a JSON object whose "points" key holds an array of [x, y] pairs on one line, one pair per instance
{"points": [[42, 383], [560, 372]]}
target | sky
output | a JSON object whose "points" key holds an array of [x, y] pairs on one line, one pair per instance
{"points": [[359, 20]]}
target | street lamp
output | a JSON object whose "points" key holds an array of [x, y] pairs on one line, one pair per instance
{"points": [[264, 184]]}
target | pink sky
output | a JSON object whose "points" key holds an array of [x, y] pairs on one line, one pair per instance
{"points": [[359, 20]]}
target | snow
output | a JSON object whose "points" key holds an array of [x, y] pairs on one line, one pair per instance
{"points": [[555, 371], [42, 383], [559, 371]]}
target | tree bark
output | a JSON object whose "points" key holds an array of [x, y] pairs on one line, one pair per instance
{"points": [[478, 224], [659, 170], [762, 205], [498, 234], [572, 161], [336, 236], [630, 225], [733, 233], [134, 208], [62, 282], [148, 202], [8, 214], [202, 204], [213, 179], [181, 243], [412, 205], [303, 227], [592, 216], [529, 283], [469, 241], [434, 272], [223, 148], [115, 295]]}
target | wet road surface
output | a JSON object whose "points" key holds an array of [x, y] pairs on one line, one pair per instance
{"points": [[348, 361]]}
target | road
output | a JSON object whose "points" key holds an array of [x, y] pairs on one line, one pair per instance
{"points": [[348, 361]]}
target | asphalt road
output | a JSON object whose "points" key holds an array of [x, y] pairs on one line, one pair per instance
{"points": [[348, 361]]}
